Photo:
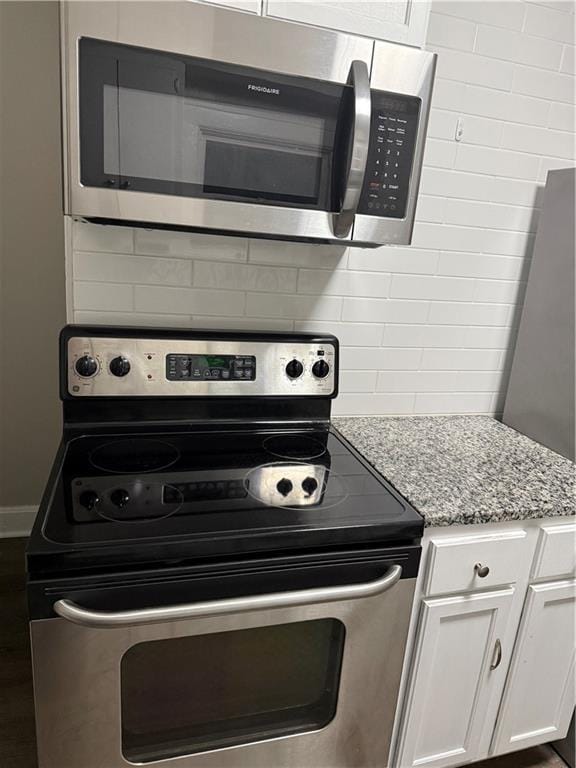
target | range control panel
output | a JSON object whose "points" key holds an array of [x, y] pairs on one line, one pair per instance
{"points": [[117, 366], [390, 155]]}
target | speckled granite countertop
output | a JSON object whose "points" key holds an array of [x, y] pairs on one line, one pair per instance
{"points": [[465, 469]]}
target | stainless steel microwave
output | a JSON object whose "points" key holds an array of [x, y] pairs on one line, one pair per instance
{"points": [[185, 116]]}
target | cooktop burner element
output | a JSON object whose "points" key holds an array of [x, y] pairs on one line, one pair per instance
{"points": [[134, 455], [300, 447]]}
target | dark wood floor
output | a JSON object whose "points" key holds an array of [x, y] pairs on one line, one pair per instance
{"points": [[17, 745]]}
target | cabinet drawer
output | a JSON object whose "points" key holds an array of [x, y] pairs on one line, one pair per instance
{"points": [[556, 553], [467, 563]]}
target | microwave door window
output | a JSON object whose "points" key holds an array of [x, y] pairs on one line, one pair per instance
{"points": [[201, 129]]}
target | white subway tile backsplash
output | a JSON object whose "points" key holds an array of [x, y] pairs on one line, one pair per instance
{"points": [[453, 183], [516, 192], [188, 301], [424, 336], [545, 84], [458, 313], [548, 22], [472, 68], [298, 254], [296, 307], [426, 328], [461, 359], [384, 311], [497, 161], [567, 65], [562, 117], [438, 381], [520, 48], [501, 105], [439, 153], [97, 237], [243, 323], [430, 208], [453, 402], [526, 138], [441, 288], [365, 334], [351, 404], [496, 216], [118, 268], [144, 319], [480, 265], [244, 277], [450, 32], [508, 13], [166, 243], [103, 296], [369, 359], [499, 291], [484, 337], [358, 381], [394, 259], [343, 283]]}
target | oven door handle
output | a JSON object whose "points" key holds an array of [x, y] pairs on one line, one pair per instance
{"points": [[359, 79], [111, 619]]}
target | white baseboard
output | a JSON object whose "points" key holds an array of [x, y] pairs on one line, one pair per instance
{"points": [[16, 521]]}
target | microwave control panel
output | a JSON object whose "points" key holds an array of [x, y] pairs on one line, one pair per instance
{"points": [[390, 154]]}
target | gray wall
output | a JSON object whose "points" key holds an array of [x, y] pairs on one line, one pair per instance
{"points": [[32, 285]]}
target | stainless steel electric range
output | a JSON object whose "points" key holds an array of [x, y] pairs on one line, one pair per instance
{"points": [[216, 578]]}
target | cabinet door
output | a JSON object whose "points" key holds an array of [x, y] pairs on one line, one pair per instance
{"points": [[540, 693], [401, 21], [252, 6], [457, 678]]}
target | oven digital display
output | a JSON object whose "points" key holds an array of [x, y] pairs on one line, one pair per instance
{"points": [[210, 367]]}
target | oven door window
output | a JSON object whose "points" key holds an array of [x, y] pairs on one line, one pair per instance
{"points": [[204, 692], [168, 124]]}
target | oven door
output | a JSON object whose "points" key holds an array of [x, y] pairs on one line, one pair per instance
{"points": [[241, 125], [306, 678]]}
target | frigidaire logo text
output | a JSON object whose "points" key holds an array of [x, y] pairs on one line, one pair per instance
{"points": [[263, 89]]}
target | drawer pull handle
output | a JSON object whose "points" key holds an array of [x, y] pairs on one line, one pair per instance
{"points": [[497, 655], [482, 570]]}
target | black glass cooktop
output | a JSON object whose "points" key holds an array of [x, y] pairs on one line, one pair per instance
{"points": [[165, 496]]}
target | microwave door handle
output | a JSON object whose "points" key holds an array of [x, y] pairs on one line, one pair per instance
{"points": [[109, 620], [359, 79]]}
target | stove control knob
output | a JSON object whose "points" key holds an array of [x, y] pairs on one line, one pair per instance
{"points": [[119, 366], [120, 498], [284, 486], [320, 369], [309, 485], [86, 366], [89, 499], [294, 369]]}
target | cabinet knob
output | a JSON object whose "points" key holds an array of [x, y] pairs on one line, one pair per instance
{"points": [[481, 570]]}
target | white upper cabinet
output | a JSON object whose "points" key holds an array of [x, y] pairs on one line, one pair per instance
{"points": [[252, 6], [401, 21], [459, 672], [539, 697]]}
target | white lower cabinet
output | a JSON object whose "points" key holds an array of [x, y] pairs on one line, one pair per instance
{"points": [[458, 677], [539, 696], [491, 656]]}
